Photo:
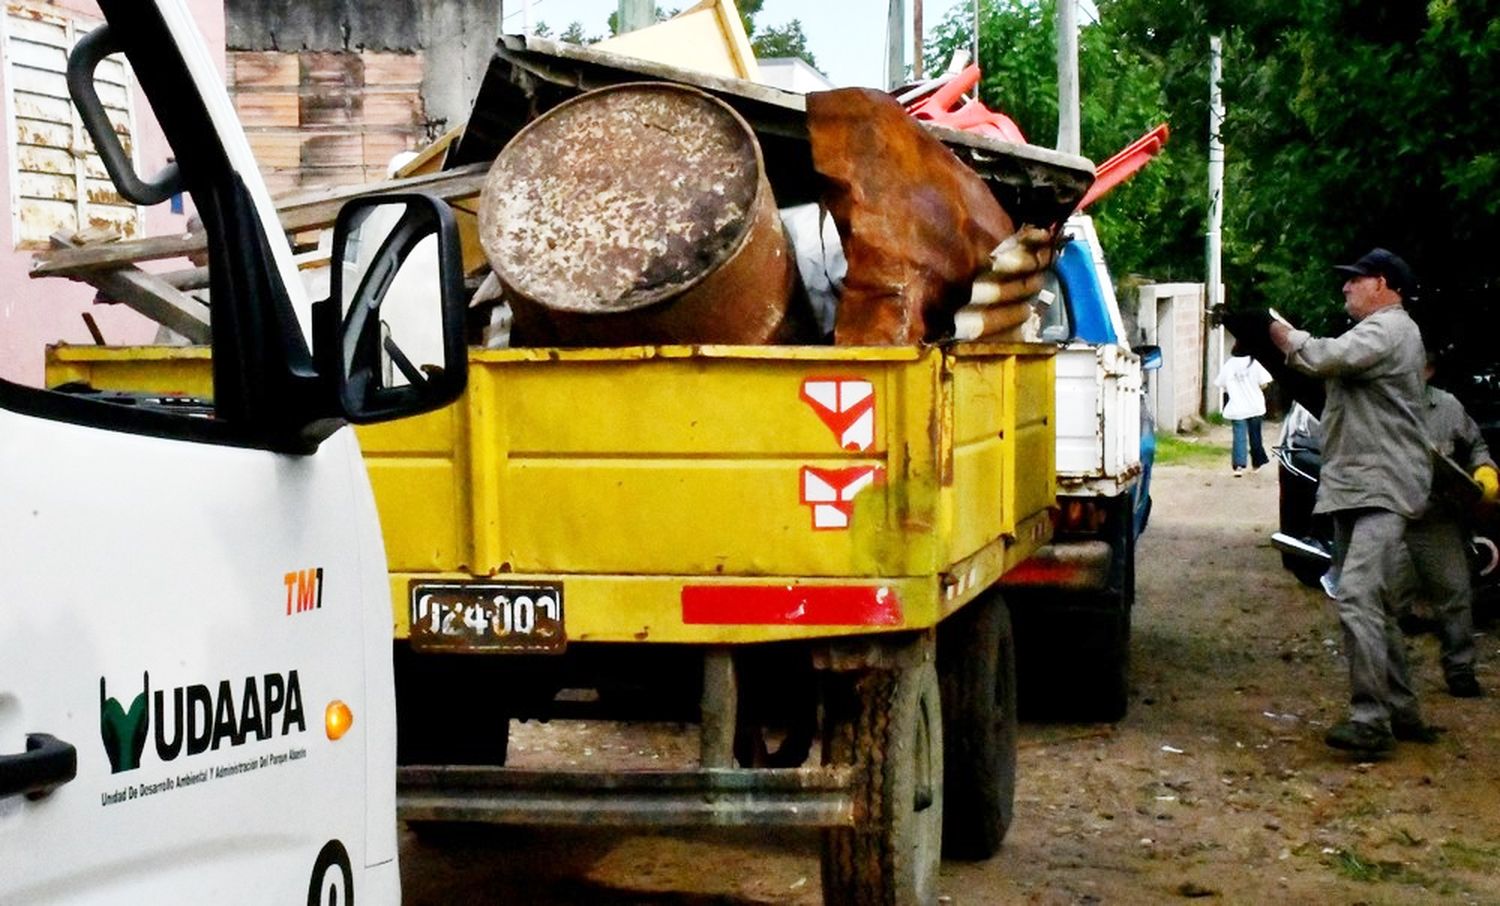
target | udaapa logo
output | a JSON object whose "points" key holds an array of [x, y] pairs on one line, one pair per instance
{"points": [[123, 731], [200, 719]]}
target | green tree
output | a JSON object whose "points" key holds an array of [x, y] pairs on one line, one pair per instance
{"points": [[573, 34], [1351, 123], [1120, 99], [783, 41]]}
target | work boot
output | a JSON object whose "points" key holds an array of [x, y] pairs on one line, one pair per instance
{"points": [[1413, 729], [1354, 736], [1464, 685]]}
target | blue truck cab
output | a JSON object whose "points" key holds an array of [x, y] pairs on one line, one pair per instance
{"points": [[1071, 603]]}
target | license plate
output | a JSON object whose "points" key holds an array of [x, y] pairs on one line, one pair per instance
{"points": [[487, 616]]}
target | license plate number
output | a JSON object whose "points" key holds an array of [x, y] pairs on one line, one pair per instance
{"points": [[487, 616]]}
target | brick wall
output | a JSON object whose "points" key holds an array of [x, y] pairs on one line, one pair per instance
{"points": [[320, 118]]}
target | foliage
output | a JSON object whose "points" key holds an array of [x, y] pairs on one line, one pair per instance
{"points": [[1120, 99], [1351, 123], [573, 34], [783, 41], [771, 41]]}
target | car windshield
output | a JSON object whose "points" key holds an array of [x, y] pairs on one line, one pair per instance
{"points": [[1300, 430]]}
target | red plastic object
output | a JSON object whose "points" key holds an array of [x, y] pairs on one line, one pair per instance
{"points": [[1125, 164], [968, 116]]}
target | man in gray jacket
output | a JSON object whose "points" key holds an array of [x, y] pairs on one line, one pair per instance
{"points": [[1377, 472], [1438, 540]]}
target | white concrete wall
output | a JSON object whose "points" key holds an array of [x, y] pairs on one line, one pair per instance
{"points": [[1172, 316]]}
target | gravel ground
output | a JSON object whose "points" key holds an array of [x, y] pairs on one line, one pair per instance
{"points": [[1216, 786]]}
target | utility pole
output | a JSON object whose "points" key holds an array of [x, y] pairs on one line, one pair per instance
{"points": [[1067, 77], [916, 51], [634, 14], [1214, 351], [895, 44], [975, 48]]}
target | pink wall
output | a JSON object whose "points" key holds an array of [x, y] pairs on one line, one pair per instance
{"points": [[34, 313]]}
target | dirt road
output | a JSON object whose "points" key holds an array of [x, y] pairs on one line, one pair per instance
{"points": [[1216, 786]]}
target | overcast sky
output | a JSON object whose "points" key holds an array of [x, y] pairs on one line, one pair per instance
{"points": [[846, 36]]}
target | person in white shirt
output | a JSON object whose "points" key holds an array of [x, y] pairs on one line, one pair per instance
{"points": [[1242, 379]]}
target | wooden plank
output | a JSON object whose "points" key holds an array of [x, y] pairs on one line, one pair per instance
{"points": [[332, 151], [337, 108], [277, 150], [333, 177], [380, 147], [39, 81], [44, 133], [266, 69], [39, 218], [42, 107], [103, 192], [37, 56], [54, 161], [330, 70], [46, 186], [392, 70], [150, 296], [393, 109], [122, 221], [25, 25], [312, 209], [268, 109]]}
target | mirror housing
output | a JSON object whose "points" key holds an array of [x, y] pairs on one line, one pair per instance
{"points": [[1150, 357], [391, 334]]}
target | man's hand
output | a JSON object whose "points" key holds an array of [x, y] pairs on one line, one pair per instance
{"points": [[1489, 481], [1249, 325]]}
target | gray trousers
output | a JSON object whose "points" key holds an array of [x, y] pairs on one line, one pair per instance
{"points": [[1369, 547], [1439, 566]]}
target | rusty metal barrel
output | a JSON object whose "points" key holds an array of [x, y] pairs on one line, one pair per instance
{"points": [[640, 214]]}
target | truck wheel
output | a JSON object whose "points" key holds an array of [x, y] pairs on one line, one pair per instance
{"points": [[889, 726], [436, 720], [977, 672], [1108, 677]]}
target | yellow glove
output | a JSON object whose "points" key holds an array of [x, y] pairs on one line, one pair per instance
{"points": [[1489, 480]]}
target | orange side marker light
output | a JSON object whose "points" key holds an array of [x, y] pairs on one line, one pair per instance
{"points": [[337, 719]]}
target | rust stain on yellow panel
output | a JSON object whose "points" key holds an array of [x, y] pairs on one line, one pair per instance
{"points": [[626, 474]]}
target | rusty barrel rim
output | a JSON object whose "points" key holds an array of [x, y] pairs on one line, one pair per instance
{"points": [[645, 300]]}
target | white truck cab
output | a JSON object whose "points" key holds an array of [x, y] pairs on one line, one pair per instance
{"points": [[1071, 602], [196, 699]]}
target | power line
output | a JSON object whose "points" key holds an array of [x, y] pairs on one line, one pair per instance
{"points": [[534, 5]]}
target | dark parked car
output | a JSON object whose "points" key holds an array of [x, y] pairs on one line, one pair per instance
{"points": [[1306, 540]]}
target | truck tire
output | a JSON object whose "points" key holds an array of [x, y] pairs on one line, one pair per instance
{"points": [[1074, 647], [1104, 663], [436, 720], [977, 673], [887, 724]]}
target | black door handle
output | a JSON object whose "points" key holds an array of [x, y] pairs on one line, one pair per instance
{"points": [[47, 764]]}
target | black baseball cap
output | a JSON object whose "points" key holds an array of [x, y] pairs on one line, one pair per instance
{"points": [[1381, 263]]}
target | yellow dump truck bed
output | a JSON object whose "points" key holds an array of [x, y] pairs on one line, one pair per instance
{"points": [[706, 494]]}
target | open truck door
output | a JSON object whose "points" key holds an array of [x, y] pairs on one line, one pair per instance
{"points": [[196, 700]]}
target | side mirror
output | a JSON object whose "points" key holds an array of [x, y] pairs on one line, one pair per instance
{"points": [[391, 332], [1150, 357]]}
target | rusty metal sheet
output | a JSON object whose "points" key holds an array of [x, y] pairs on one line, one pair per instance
{"points": [[639, 214], [528, 76], [620, 199]]}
